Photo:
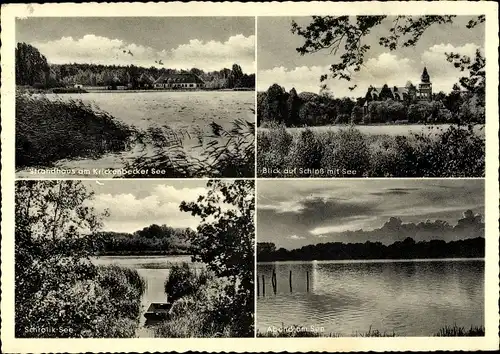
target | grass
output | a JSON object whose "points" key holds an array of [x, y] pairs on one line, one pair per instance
{"points": [[47, 131], [222, 153], [297, 331], [457, 331], [348, 152]]}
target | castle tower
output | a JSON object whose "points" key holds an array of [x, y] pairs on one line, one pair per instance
{"points": [[425, 86]]}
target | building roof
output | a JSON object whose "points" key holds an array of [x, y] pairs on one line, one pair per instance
{"points": [[395, 90], [179, 78]]}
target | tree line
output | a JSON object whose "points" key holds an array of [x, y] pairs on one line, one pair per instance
{"points": [[309, 109], [33, 69], [153, 239], [406, 249]]}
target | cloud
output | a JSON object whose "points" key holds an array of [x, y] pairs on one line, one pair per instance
{"points": [[386, 68], [216, 55], [208, 56], [296, 237], [444, 74], [354, 223], [129, 212], [93, 49], [394, 229]]}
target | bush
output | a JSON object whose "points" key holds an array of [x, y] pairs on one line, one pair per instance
{"points": [[454, 152], [346, 149], [47, 131], [106, 306], [183, 280], [273, 148], [122, 292], [213, 310], [306, 151]]}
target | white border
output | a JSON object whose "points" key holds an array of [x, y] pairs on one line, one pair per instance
{"points": [[9, 12]]}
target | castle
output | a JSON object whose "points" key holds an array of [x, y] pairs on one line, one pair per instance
{"points": [[424, 91]]}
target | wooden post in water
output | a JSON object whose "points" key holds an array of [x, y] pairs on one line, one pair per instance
{"points": [[290, 281], [258, 286], [307, 280], [273, 280], [263, 285]]}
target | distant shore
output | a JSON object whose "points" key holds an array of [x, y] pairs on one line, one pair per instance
{"points": [[63, 90], [377, 260]]}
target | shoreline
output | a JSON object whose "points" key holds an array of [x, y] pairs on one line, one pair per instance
{"points": [[373, 125], [374, 260], [84, 90]]}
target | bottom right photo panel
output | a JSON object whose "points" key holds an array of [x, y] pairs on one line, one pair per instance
{"points": [[370, 258]]}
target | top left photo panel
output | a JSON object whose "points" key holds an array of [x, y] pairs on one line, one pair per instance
{"points": [[135, 97]]}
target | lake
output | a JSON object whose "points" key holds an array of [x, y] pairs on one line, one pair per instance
{"points": [[387, 129], [409, 298], [185, 111], [154, 270]]}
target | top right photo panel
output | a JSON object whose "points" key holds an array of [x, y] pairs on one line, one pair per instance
{"points": [[371, 96]]}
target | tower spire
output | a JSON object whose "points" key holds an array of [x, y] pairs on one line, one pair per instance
{"points": [[425, 76]]}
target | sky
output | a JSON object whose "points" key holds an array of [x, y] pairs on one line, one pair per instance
{"points": [[279, 62], [133, 205], [207, 43], [294, 213]]}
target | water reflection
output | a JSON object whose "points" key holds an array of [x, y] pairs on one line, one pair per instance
{"points": [[408, 298]]}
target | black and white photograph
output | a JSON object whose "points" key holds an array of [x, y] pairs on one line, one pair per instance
{"points": [[156, 97], [134, 259], [371, 96], [370, 258]]}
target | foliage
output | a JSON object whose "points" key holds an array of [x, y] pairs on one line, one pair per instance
{"points": [[153, 239], [43, 127], [59, 292], [183, 280], [276, 106], [224, 242], [207, 312], [47, 131], [31, 66], [273, 149], [405, 249], [222, 153], [343, 37], [451, 152]]}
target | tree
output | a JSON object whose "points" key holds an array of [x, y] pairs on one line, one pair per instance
{"points": [[357, 114], [31, 66], [276, 103], [53, 242], [225, 241], [293, 105]]}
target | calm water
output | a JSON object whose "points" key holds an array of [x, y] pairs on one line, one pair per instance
{"points": [[391, 130], [154, 270], [411, 298], [185, 112]]}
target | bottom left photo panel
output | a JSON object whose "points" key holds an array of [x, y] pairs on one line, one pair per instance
{"points": [[134, 258]]}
